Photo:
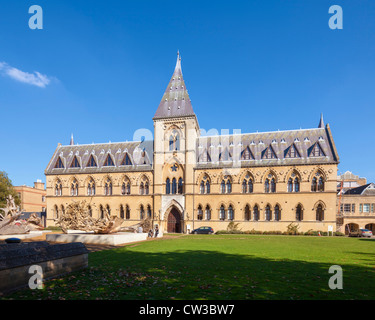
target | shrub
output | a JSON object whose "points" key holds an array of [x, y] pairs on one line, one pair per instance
{"points": [[292, 229], [232, 226]]}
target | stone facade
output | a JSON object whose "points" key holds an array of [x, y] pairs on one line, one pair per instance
{"points": [[33, 199], [183, 179]]}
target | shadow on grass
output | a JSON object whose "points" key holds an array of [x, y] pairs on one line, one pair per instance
{"points": [[126, 274]]}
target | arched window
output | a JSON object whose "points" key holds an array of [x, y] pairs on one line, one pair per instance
{"points": [[314, 184], [230, 213], [108, 187], [91, 187], [290, 185], [251, 186], [208, 187], [229, 186], [168, 186], [174, 141], [141, 212], [256, 213], [247, 213], [244, 186], [147, 189], [277, 213], [208, 212], [122, 212], [299, 213], [321, 184], [89, 209], [222, 186], [127, 212], [74, 188], [101, 210], [317, 182], [273, 185], [222, 213], [180, 186], [149, 213], [58, 188], [108, 210], [296, 184], [268, 213], [174, 186], [56, 212], [141, 188], [201, 188], [319, 213], [200, 213], [267, 186]]}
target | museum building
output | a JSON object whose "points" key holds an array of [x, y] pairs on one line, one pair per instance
{"points": [[183, 179]]}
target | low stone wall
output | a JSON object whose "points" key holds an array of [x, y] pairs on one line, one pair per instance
{"points": [[107, 239], [54, 260]]}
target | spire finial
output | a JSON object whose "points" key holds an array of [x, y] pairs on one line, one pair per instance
{"points": [[71, 140], [321, 122]]}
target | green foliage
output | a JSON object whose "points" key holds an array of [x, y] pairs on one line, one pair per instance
{"points": [[292, 229], [232, 226], [6, 188]]}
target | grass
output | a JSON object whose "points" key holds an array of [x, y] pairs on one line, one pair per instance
{"points": [[216, 267]]}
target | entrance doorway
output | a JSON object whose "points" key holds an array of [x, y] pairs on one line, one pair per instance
{"points": [[174, 221]]}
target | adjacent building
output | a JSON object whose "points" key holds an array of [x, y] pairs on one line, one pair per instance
{"points": [[183, 179], [357, 208]]}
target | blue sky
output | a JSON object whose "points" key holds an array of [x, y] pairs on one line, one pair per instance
{"points": [[99, 69]]}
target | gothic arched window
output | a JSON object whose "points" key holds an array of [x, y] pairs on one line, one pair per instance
{"points": [[299, 213], [268, 213], [174, 141], [108, 187], [247, 213], [200, 213], [277, 213], [168, 186], [180, 186]]}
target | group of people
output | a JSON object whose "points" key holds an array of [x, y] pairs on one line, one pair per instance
{"points": [[153, 233]]}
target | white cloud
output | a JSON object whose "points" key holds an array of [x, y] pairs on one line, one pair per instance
{"points": [[36, 78]]}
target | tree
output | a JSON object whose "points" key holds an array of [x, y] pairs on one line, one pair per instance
{"points": [[6, 188]]}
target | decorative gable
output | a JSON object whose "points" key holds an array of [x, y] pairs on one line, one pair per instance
{"points": [[269, 153], [292, 152]]}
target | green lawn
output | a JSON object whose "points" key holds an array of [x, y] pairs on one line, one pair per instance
{"points": [[221, 267]]}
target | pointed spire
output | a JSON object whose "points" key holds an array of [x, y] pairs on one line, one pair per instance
{"points": [[176, 101], [321, 122], [71, 140]]}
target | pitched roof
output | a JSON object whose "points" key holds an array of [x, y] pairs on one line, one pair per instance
{"points": [[361, 190], [280, 141], [141, 154], [176, 101]]}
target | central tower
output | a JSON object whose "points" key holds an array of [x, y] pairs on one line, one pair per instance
{"points": [[175, 133]]}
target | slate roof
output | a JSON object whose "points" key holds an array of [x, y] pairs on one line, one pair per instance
{"points": [[280, 142], [176, 101], [139, 152], [360, 190]]}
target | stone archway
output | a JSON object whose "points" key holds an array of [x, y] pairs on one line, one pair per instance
{"points": [[174, 224], [371, 227], [350, 227]]}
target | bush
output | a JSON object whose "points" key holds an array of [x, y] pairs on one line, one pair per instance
{"points": [[339, 234], [292, 229], [232, 226]]}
